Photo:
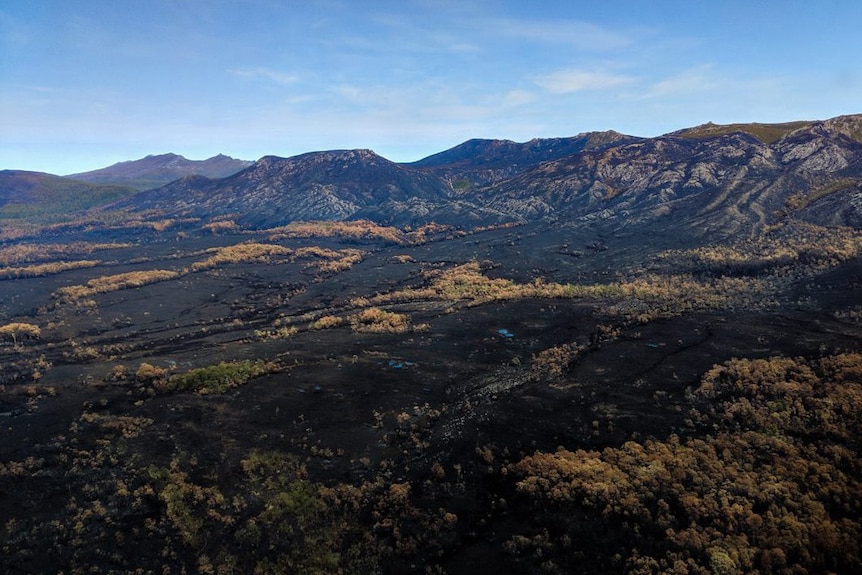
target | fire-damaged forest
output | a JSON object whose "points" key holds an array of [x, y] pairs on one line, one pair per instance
{"points": [[640, 357]]}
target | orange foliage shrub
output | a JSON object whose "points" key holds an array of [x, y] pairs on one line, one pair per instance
{"points": [[20, 331], [149, 372], [251, 252], [776, 489], [376, 320], [222, 226], [39, 270], [327, 321], [112, 283], [553, 361], [330, 261], [24, 253], [356, 230]]}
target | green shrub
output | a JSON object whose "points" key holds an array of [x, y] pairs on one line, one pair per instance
{"points": [[218, 378]]}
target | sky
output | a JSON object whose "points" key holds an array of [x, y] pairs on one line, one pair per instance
{"points": [[87, 83]]}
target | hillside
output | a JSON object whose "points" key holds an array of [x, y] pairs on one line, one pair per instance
{"points": [[710, 186], [43, 198], [479, 162], [330, 185], [766, 133], [157, 170]]}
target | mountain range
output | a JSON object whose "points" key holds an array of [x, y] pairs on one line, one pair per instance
{"points": [[707, 180]]}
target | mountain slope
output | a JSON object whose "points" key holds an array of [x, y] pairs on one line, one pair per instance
{"points": [[316, 186], [479, 162], [41, 197], [725, 184], [157, 170]]}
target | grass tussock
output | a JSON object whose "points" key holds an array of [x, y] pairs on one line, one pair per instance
{"points": [[327, 322]]}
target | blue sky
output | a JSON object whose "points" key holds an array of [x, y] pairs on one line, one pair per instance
{"points": [[86, 83]]}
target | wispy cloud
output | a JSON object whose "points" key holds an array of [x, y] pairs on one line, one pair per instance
{"points": [[581, 35], [574, 80], [721, 85], [515, 98], [274, 76], [693, 81], [445, 37]]}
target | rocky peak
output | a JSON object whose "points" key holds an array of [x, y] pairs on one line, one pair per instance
{"points": [[822, 147]]}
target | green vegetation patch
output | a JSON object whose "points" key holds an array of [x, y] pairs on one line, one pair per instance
{"points": [[766, 133], [462, 185], [218, 378], [804, 199], [44, 198]]}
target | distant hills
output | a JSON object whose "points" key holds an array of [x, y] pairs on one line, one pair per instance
{"points": [[158, 170], [43, 198], [726, 180]]}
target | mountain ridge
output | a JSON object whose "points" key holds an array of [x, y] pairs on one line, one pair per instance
{"points": [[325, 185], [484, 161], [156, 170], [723, 183], [728, 180]]}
